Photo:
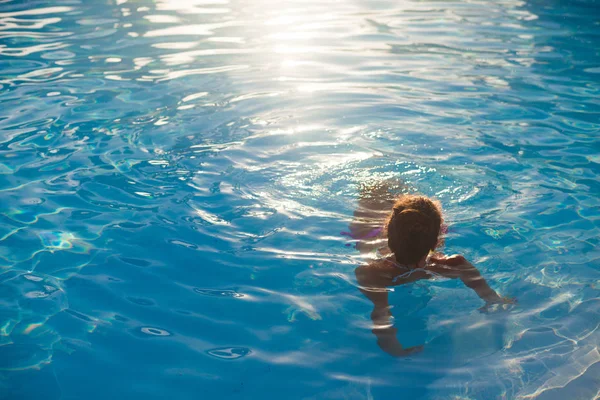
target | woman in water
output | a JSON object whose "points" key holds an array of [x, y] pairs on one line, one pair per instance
{"points": [[412, 231]]}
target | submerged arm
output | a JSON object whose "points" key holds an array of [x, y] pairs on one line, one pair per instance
{"points": [[381, 315], [458, 267], [374, 205]]}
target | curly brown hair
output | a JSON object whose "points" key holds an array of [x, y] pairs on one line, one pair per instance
{"points": [[413, 228]]}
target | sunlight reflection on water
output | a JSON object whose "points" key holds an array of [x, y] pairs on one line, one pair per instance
{"points": [[175, 175]]}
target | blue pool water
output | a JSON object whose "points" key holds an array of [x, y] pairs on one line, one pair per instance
{"points": [[175, 175]]}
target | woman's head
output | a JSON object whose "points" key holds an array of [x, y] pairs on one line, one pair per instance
{"points": [[413, 228]]}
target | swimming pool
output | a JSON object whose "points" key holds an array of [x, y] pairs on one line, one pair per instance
{"points": [[175, 175]]}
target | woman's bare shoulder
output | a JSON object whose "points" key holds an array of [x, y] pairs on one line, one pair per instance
{"points": [[448, 266], [377, 272]]}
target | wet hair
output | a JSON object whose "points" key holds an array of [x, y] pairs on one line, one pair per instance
{"points": [[413, 228]]}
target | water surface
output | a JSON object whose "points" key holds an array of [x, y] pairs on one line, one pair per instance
{"points": [[175, 175]]}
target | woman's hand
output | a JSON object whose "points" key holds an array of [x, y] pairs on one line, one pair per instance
{"points": [[505, 300], [388, 342], [498, 303]]}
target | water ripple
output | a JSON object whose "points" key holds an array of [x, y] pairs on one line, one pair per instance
{"points": [[174, 176]]}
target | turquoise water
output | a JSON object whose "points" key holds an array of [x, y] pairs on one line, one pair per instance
{"points": [[175, 175]]}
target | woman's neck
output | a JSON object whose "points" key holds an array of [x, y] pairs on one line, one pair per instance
{"points": [[420, 264], [398, 264]]}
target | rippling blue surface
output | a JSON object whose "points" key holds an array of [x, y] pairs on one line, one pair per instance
{"points": [[174, 177]]}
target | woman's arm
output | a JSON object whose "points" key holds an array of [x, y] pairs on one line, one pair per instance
{"points": [[458, 267], [381, 315], [374, 205]]}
